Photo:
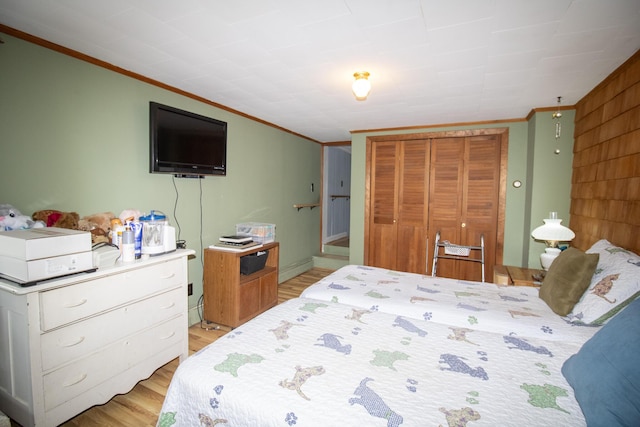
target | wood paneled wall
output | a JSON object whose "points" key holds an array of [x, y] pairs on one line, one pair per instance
{"points": [[605, 191]]}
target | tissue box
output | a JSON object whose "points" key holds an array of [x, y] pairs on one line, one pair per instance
{"points": [[259, 231]]}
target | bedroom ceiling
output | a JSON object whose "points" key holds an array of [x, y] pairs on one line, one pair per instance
{"points": [[291, 62]]}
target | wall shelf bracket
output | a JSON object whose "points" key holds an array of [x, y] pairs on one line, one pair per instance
{"points": [[305, 205]]}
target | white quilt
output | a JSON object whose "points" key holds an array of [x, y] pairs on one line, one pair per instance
{"points": [[512, 310], [310, 362]]}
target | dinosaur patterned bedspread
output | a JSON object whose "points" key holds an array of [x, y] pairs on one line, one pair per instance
{"points": [[486, 306], [310, 362]]}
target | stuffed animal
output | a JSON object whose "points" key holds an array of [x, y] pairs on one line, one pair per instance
{"points": [[98, 224], [55, 218], [12, 219]]}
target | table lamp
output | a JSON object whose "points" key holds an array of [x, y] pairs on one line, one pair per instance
{"points": [[551, 233]]}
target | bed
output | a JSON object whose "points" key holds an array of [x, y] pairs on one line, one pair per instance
{"points": [[368, 355], [516, 310]]}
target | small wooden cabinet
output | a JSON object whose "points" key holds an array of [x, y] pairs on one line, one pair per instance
{"points": [[231, 298], [517, 276]]}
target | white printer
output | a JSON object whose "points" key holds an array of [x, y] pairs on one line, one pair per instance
{"points": [[37, 254]]}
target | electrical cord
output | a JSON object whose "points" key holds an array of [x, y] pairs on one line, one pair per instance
{"points": [[175, 208], [182, 244]]}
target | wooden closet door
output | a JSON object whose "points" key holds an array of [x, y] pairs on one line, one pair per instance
{"points": [[412, 206], [398, 219], [481, 191], [383, 240], [464, 199], [446, 197]]}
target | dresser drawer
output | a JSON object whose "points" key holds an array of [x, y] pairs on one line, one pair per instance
{"points": [[71, 303], [74, 379], [79, 339]]}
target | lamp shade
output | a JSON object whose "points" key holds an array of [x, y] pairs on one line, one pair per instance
{"points": [[361, 86], [553, 232]]}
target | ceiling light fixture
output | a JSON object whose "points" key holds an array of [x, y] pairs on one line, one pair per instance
{"points": [[556, 116], [361, 86]]}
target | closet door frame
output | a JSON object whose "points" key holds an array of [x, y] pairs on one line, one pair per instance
{"points": [[504, 141]]}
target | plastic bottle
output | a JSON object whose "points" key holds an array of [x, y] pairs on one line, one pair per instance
{"points": [[128, 245], [116, 236]]}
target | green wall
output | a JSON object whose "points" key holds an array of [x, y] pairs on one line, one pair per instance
{"points": [[75, 137], [545, 178], [551, 175]]}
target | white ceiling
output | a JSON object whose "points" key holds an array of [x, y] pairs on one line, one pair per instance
{"points": [[291, 62]]}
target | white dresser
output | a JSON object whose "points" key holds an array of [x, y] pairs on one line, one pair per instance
{"points": [[77, 341]]}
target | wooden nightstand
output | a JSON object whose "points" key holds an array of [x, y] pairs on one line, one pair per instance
{"points": [[516, 276]]}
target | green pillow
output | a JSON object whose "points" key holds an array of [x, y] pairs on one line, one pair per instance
{"points": [[567, 279]]}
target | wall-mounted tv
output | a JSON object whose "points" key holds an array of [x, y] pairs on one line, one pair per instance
{"points": [[186, 144]]}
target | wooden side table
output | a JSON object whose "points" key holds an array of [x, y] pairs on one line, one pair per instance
{"points": [[516, 276], [231, 298]]}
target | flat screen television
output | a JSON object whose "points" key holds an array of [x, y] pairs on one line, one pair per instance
{"points": [[186, 144]]}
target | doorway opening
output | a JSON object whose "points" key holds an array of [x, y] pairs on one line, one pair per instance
{"points": [[336, 199]]}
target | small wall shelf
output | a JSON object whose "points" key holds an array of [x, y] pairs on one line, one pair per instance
{"points": [[340, 196], [305, 205]]}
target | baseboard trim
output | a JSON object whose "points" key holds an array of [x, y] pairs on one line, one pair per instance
{"points": [[194, 314], [293, 270]]}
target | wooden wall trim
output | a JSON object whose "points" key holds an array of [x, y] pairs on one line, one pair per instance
{"points": [[605, 190]]}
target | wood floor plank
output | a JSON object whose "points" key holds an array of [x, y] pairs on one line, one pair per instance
{"points": [[141, 406]]}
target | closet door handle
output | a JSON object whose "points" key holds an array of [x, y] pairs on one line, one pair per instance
{"points": [[464, 224]]}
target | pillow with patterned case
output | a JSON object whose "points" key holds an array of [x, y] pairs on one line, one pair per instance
{"points": [[615, 284]]}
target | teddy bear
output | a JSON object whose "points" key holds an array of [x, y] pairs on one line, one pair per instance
{"points": [[98, 224], [12, 219], [55, 218]]}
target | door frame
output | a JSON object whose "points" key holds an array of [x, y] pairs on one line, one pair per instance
{"points": [[504, 145]]}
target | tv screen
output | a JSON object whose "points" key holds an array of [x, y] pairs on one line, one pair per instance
{"points": [[186, 144]]}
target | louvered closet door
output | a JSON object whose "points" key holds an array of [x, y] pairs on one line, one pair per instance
{"points": [[398, 219], [412, 206], [445, 197], [464, 199], [382, 244], [481, 190]]}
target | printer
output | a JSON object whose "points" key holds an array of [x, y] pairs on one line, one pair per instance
{"points": [[37, 254]]}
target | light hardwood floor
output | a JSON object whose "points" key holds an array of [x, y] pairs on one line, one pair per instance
{"points": [[141, 406]]}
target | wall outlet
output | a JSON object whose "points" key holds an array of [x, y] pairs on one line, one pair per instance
{"points": [[190, 289]]}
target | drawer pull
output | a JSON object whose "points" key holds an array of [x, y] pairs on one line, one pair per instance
{"points": [[79, 380], [169, 306], [168, 336], [168, 276], [71, 344], [78, 304]]}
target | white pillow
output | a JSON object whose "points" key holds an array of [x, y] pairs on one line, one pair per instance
{"points": [[615, 283]]}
